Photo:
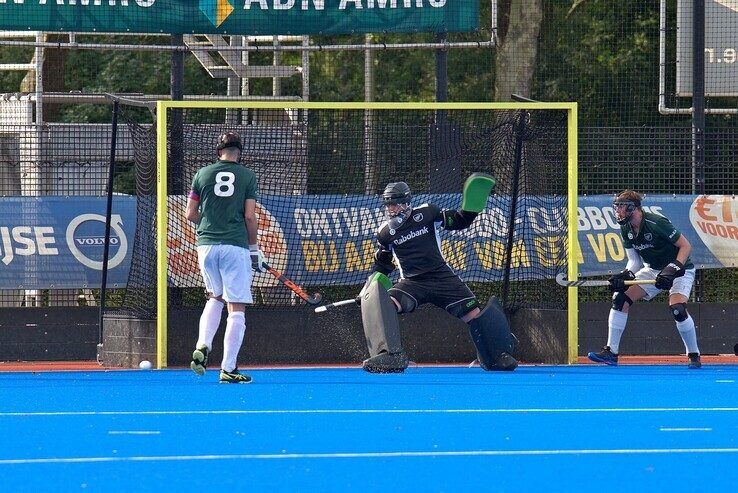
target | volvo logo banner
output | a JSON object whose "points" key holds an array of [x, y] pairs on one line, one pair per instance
{"points": [[86, 242], [58, 242]]}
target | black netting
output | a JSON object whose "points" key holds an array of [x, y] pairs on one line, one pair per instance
{"points": [[320, 173]]}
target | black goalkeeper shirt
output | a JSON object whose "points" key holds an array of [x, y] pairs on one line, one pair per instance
{"points": [[415, 242]]}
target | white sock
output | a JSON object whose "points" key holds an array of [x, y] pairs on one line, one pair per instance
{"points": [[615, 328], [235, 329], [689, 335], [209, 322]]}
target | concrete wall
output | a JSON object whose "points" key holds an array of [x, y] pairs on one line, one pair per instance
{"points": [[299, 336]]}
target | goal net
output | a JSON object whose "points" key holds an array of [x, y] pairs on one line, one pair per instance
{"points": [[321, 168]]}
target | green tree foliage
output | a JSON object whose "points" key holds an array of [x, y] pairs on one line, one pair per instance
{"points": [[10, 81], [604, 55]]}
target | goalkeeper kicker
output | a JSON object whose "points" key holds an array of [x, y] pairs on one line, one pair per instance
{"points": [[409, 237]]}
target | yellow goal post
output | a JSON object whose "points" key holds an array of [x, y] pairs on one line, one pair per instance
{"points": [[162, 111]]}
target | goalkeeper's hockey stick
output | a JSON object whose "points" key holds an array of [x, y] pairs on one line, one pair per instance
{"points": [[587, 283], [327, 307], [312, 300]]}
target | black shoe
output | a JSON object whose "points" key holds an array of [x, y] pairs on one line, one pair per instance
{"points": [[694, 361], [234, 377], [605, 356], [386, 363], [200, 359], [505, 363]]}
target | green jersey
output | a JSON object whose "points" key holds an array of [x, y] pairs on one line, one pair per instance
{"points": [[655, 241], [222, 188]]}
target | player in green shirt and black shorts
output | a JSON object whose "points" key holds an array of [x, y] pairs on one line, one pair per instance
{"points": [[656, 251], [222, 203]]}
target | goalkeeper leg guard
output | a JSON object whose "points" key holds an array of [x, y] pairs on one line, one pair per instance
{"points": [[382, 331], [386, 363], [490, 333]]}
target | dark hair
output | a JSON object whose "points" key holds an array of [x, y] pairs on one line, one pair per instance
{"points": [[229, 139]]}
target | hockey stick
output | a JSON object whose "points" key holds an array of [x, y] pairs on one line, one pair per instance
{"points": [[324, 308], [587, 283], [312, 300]]}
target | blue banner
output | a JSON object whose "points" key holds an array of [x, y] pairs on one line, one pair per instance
{"points": [[331, 239], [57, 242], [326, 238], [709, 222]]}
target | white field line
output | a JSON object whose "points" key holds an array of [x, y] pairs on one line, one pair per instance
{"points": [[684, 429], [121, 432], [534, 410], [369, 455]]}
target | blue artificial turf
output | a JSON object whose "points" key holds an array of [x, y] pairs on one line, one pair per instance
{"points": [[540, 428]]}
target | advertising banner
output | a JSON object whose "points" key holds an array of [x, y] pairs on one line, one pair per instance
{"points": [[328, 239], [709, 222], [57, 242], [246, 17]]}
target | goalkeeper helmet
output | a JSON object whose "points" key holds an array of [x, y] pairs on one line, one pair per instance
{"points": [[396, 193], [396, 200], [625, 204], [229, 139]]}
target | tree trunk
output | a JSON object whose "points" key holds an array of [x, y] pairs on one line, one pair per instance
{"points": [[53, 74], [516, 57]]}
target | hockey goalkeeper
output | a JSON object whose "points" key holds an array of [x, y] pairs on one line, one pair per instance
{"points": [[410, 238]]}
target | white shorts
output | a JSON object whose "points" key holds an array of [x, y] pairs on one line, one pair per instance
{"points": [[682, 284], [226, 270]]}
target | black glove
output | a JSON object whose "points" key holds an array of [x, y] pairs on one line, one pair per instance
{"points": [[617, 282], [665, 279]]}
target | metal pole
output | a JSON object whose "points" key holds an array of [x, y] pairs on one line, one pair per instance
{"points": [[698, 97], [370, 171], [233, 87], [176, 118], [441, 70], [519, 129], [698, 113], [108, 217], [175, 171]]}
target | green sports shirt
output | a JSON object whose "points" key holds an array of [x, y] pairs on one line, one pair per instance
{"points": [[655, 241], [222, 188]]}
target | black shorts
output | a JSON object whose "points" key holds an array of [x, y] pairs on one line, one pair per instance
{"points": [[446, 291]]}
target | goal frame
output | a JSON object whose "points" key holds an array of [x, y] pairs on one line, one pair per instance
{"points": [[162, 107]]}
